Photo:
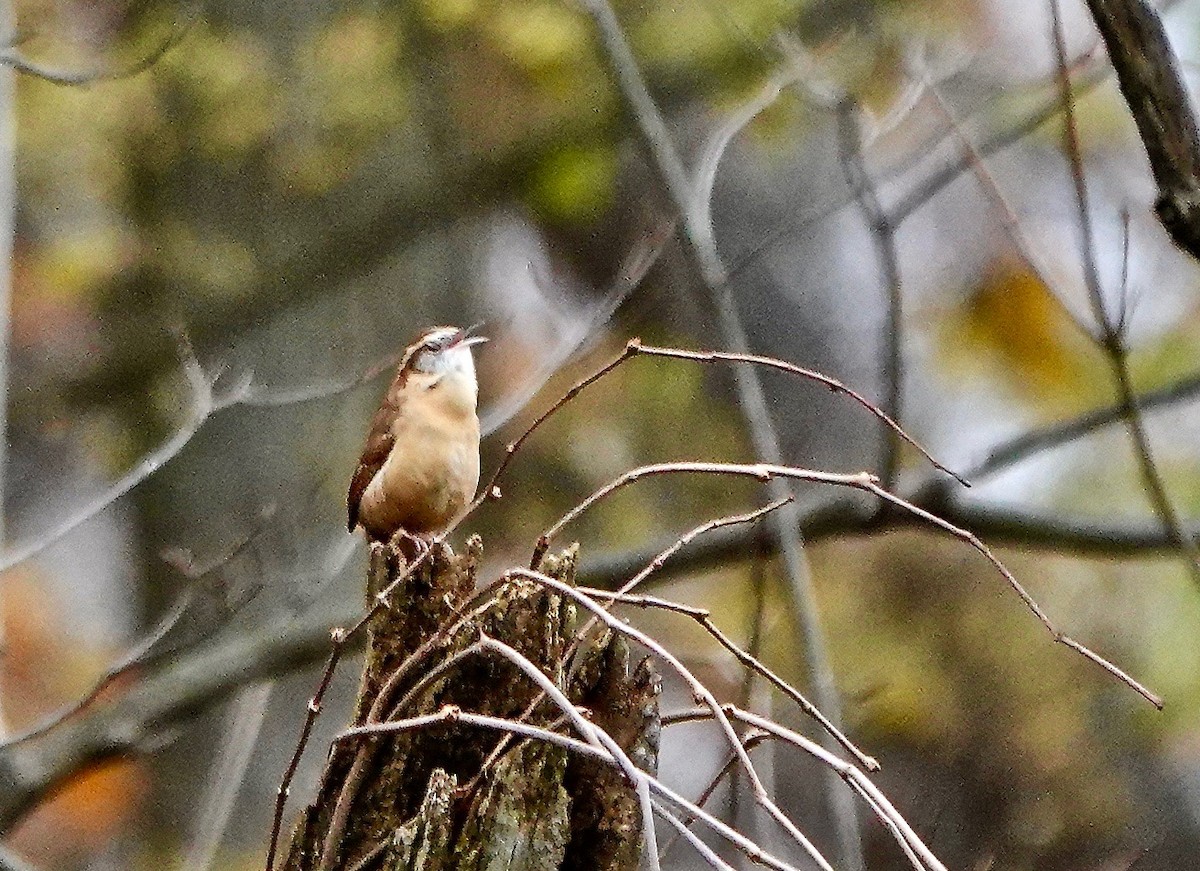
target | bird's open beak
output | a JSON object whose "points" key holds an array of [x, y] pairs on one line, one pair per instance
{"points": [[464, 337]]}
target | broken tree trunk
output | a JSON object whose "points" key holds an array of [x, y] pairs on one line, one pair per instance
{"points": [[455, 796]]}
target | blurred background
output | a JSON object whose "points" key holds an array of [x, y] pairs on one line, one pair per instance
{"points": [[228, 215]]}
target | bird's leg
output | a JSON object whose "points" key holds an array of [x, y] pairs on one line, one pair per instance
{"points": [[412, 546]]}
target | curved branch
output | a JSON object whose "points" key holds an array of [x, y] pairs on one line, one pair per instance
{"points": [[163, 699], [17, 61]]}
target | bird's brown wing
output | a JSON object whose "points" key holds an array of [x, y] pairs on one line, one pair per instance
{"points": [[375, 453]]}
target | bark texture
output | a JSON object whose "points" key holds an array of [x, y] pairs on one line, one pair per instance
{"points": [[442, 798], [1153, 87]]}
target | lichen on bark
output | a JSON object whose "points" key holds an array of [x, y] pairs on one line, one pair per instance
{"points": [[444, 797]]}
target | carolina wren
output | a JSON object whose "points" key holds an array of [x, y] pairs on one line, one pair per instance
{"points": [[420, 466]]}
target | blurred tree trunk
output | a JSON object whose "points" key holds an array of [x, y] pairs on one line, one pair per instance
{"points": [[437, 799]]}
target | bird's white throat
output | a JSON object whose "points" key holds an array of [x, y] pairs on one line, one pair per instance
{"points": [[453, 370]]}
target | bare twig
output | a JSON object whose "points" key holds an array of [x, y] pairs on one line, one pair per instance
{"points": [[867, 483], [909, 841], [883, 233], [754, 643], [1112, 340], [1091, 76], [1029, 444], [858, 781], [491, 490], [763, 472], [1009, 220], [274, 397], [204, 403], [750, 740], [451, 715], [660, 559], [147, 648], [702, 250], [1029, 601], [832, 383], [634, 348], [590, 732], [699, 691], [132, 658], [170, 695], [752, 663], [630, 274], [338, 638], [228, 775], [682, 831], [652, 565]]}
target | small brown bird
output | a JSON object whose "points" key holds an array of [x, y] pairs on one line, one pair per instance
{"points": [[420, 466]]}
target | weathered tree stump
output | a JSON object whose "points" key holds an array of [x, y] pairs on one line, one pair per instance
{"points": [[455, 796]]}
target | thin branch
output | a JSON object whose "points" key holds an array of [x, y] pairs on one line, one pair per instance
{"points": [[590, 732], [261, 396], [174, 691], [701, 249], [147, 648], [928, 187], [204, 403], [833, 384], [706, 852], [752, 663], [660, 559], [1021, 592], [228, 775], [171, 695], [451, 714], [763, 472], [13, 58], [909, 841], [133, 657], [313, 709], [699, 691], [650, 567], [635, 348], [633, 269], [754, 642], [866, 483], [1003, 525], [857, 781], [491, 490], [883, 233], [750, 740], [1009, 220], [1092, 75], [1112, 340], [1027, 445]]}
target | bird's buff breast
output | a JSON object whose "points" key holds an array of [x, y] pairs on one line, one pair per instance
{"points": [[432, 472]]}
